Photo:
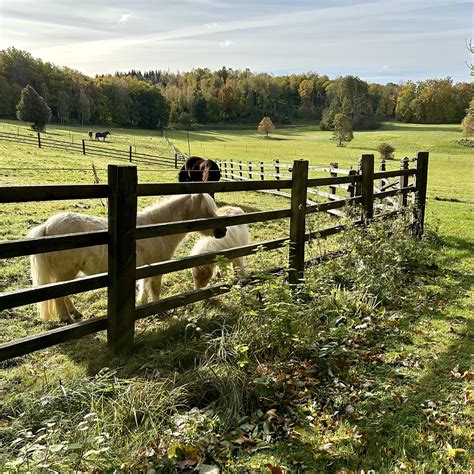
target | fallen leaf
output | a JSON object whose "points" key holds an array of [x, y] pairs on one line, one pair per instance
{"points": [[274, 469]]}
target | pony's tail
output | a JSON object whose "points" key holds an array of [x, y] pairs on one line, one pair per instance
{"points": [[41, 274]]}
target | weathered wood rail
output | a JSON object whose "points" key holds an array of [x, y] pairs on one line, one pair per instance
{"points": [[122, 192]]}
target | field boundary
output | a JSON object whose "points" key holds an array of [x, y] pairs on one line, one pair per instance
{"points": [[89, 147], [122, 234]]}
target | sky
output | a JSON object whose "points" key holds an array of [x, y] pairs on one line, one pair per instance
{"points": [[377, 40]]}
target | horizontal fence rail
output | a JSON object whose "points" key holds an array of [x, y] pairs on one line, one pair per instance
{"points": [[20, 248], [52, 192], [52, 290], [357, 189], [170, 228], [89, 147]]}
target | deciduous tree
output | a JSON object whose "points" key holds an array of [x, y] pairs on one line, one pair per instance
{"points": [[266, 126], [342, 129], [386, 150]]}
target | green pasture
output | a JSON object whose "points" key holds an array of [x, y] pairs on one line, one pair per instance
{"points": [[397, 370]]}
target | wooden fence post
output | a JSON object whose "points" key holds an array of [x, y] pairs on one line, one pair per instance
{"points": [[130, 154], [403, 199], [298, 221], [333, 189], [420, 193], [39, 140], [122, 256], [231, 170], [262, 171], [175, 160], [383, 167], [351, 188], [277, 170], [250, 169], [241, 171], [225, 169], [83, 147], [367, 186]]}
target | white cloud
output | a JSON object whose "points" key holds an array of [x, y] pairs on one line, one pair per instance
{"points": [[226, 43], [339, 37], [124, 18], [212, 26]]}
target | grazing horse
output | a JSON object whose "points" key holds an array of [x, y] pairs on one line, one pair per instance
{"points": [[237, 236], [101, 135], [199, 169], [65, 265]]}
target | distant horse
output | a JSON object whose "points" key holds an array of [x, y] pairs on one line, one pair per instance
{"points": [[101, 135], [237, 236], [199, 169], [65, 265]]}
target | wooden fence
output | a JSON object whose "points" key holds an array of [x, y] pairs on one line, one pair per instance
{"points": [[89, 147], [251, 171], [122, 192]]}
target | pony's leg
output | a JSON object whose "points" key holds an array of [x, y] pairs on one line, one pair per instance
{"points": [[62, 311], [71, 308], [238, 265], [202, 276], [155, 287], [143, 291]]}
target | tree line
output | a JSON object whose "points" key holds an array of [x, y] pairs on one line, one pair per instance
{"points": [[153, 99]]}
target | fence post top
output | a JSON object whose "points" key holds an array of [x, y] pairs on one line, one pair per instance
{"points": [[422, 155], [300, 161], [111, 167]]}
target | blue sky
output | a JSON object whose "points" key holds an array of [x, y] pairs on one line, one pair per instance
{"points": [[378, 40]]}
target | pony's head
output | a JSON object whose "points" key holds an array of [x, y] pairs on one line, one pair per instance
{"points": [[204, 206]]}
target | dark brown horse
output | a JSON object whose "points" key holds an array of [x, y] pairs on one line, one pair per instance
{"points": [[198, 170]]}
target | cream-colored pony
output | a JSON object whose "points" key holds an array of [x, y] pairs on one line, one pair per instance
{"points": [[65, 265], [237, 236]]}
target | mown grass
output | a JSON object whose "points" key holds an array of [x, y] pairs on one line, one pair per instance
{"points": [[369, 368]]}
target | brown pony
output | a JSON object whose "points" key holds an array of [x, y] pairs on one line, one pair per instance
{"points": [[198, 169]]}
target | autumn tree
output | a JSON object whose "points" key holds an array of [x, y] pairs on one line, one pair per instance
{"points": [[386, 150], [342, 129], [467, 124], [33, 108], [266, 126]]}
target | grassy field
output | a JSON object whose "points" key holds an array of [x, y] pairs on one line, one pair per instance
{"points": [[216, 383]]}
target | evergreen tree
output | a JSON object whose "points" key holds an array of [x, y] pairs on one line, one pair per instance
{"points": [[33, 108]]}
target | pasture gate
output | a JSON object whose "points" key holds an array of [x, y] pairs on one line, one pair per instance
{"points": [[122, 192]]}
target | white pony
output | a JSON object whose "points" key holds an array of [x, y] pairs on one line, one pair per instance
{"points": [[237, 236], [65, 265]]}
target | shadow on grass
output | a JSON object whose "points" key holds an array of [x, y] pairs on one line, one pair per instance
{"points": [[203, 136], [167, 342], [416, 127], [407, 417]]}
